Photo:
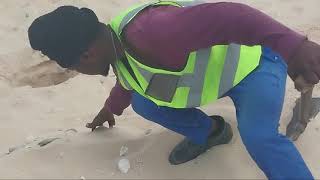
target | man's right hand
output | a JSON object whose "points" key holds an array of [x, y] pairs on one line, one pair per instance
{"points": [[103, 116], [305, 62]]}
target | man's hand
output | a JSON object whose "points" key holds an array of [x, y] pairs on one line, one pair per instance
{"points": [[103, 116], [301, 85], [305, 62]]}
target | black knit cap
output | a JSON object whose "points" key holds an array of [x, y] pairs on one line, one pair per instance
{"points": [[64, 34]]}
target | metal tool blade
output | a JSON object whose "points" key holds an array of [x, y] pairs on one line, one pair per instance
{"points": [[306, 108]]}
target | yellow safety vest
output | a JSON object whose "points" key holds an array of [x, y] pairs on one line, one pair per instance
{"points": [[207, 76]]}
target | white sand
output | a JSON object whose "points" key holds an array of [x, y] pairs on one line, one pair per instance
{"points": [[29, 114]]}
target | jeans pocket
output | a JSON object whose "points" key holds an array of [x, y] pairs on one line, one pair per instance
{"points": [[270, 71], [273, 64], [279, 60]]}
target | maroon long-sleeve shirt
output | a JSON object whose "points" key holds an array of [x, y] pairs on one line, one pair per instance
{"points": [[163, 36]]}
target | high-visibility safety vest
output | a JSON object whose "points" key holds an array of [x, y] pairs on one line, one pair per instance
{"points": [[209, 73]]}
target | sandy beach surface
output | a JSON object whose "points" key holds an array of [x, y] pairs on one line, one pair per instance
{"points": [[40, 101]]}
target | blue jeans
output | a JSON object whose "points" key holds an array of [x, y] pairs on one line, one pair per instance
{"points": [[258, 100]]}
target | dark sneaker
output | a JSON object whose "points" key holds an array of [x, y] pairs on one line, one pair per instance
{"points": [[187, 150]]}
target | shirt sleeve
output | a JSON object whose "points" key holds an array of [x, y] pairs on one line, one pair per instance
{"points": [[239, 23], [118, 100], [171, 29]]}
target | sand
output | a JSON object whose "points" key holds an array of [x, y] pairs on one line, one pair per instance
{"points": [[39, 100]]}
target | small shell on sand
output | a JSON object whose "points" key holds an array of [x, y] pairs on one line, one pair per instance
{"points": [[124, 165], [123, 150], [82, 178]]}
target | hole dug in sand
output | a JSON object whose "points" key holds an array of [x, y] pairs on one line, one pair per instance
{"points": [[44, 74]]}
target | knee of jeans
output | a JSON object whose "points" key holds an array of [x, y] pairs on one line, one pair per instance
{"points": [[255, 139]]}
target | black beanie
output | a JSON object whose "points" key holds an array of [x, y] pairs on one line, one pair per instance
{"points": [[64, 34]]}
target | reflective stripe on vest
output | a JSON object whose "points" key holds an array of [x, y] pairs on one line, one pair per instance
{"points": [[123, 81], [195, 80]]}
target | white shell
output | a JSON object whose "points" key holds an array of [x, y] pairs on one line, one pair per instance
{"points": [[82, 178], [123, 151], [124, 165]]}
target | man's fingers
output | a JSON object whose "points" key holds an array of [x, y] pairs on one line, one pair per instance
{"points": [[89, 125], [311, 78], [301, 84], [316, 70], [112, 123]]}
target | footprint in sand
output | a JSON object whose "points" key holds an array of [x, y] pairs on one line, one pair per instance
{"points": [[33, 142], [42, 75], [47, 141]]}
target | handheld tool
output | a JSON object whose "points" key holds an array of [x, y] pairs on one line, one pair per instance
{"points": [[306, 108]]}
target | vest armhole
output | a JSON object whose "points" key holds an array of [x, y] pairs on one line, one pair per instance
{"points": [[127, 65]]}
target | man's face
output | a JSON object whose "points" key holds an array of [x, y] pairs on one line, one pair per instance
{"points": [[97, 59]]}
